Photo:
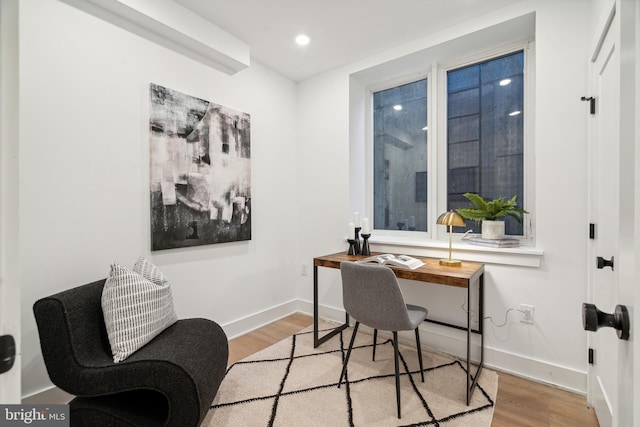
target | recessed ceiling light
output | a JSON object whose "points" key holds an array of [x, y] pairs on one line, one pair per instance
{"points": [[504, 82], [303, 40], [514, 113], [397, 107]]}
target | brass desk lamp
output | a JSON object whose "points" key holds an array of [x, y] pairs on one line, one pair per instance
{"points": [[451, 218]]}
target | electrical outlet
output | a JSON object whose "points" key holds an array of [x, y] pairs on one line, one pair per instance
{"points": [[303, 269], [527, 313]]}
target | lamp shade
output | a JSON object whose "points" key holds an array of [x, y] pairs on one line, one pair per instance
{"points": [[451, 218]]}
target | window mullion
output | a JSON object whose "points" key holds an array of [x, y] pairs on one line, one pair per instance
{"points": [[439, 204]]}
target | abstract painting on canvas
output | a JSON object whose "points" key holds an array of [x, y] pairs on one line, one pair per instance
{"points": [[200, 165]]}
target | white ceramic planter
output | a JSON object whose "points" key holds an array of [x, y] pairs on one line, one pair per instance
{"points": [[493, 230]]}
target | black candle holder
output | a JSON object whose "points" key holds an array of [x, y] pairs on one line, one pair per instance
{"points": [[357, 240], [352, 247], [365, 244]]}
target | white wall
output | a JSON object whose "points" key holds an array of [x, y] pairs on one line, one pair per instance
{"points": [[552, 350], [84, 172]]}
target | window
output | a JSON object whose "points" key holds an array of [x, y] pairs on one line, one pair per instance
{"points": [[485, 138], [400, 157], [481, 143]]}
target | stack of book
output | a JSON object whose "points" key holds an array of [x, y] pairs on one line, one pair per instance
{"points": [[500, 243]]}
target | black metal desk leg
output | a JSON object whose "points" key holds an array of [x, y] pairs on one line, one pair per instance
{"points": [[315, 306], [480, 327], [471, 384], [316, 316], [468, 343]]}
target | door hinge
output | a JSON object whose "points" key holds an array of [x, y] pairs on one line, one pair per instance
{"points": [[592, 231], [592, 103], [590, 356]]}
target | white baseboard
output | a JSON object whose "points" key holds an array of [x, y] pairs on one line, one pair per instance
{"points": [[453, 341], [246, 324], [535, 370], [48, 396]]}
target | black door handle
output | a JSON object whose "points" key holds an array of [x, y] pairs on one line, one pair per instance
{"points": [[602, 263], [7, 353], [593, 319]]}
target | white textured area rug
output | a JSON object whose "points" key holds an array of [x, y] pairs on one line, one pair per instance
{"points": [[293, 384]]}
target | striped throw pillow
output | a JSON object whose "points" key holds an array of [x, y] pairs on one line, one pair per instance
{"points": [[137, 306], [150, 272]]}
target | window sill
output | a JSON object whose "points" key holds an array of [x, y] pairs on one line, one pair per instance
{"points": [[523, 256]]}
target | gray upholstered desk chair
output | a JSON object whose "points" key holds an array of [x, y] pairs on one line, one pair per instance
{"points": [[372, 296]]}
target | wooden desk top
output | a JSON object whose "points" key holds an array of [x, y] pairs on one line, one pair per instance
{"points": [[431, 271]]}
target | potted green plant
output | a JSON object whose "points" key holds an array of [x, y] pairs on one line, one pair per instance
{"points": [[490, 213]]}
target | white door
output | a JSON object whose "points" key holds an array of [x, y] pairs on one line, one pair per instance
{"points": [[9, 262], [611, 191]]}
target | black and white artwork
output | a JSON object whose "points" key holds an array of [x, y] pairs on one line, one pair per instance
{"points": [[200, 155]]}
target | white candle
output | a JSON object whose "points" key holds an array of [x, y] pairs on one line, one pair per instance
{"points": [[351, 232], [356, 219], [365, 226]]}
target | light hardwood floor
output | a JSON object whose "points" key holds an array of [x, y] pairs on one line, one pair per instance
{"points": [[519, 402]]}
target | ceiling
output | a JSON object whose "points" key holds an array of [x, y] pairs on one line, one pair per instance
{"points": [[341, 31]]}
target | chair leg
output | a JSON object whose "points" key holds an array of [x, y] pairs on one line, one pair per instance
{"points": [[375, 341], [346, 359], [419, 348], [395, 352]]}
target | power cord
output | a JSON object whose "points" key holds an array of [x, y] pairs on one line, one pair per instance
{"points": [[506, 314], [472, 312], [505, 317]]}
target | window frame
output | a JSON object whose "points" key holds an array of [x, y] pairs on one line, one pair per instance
{"points": [[437, 141], [369, 153]]}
